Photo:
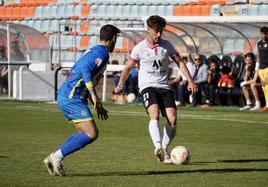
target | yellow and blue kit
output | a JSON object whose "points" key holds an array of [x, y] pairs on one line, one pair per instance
{"points": [[73, 93]]}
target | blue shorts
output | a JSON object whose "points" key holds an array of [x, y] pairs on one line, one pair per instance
{"points": [[75, 110]]}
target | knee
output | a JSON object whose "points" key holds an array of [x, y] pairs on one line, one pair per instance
{"points": [[252, 85], [172, 121], [93, 134]]}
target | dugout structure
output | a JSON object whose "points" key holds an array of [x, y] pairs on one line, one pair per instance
{"points": [[23, 46], [207, 35]]}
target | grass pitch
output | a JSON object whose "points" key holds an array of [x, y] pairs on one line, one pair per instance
{"points": [[229, 148]]}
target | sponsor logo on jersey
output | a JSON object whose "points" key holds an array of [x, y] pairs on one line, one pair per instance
{"points": [[98, 61], [83, 113]]}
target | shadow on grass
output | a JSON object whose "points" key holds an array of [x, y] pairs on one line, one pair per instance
{"points": [[242, 161], [224, 170], [229, 161], [3, 156]]}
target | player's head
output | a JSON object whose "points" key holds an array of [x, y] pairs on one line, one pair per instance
{"points": [[155, 24], [264, 33], [250, 59], [108, 34]]}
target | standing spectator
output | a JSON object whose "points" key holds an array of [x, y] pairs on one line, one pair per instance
{"points": [[263, 61], [251, 82], [3, 71]]}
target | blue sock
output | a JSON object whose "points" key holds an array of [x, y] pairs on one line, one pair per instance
{"points": [[75, 143]]}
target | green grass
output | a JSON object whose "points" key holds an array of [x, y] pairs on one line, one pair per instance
{"points": [[229, 148]]}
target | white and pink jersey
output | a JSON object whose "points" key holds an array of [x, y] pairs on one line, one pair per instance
{"points": [[154, 63]]}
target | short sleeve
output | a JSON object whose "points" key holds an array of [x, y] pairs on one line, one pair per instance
{"points": [[135, 54], [172, 52]]}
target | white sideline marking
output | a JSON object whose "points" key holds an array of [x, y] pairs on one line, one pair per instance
{"points": [[228, 118]]}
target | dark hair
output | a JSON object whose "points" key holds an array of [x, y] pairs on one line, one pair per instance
{"points": [[264, 29], [2, 49], [184, 58], [156, 22], [250, 55], [107, 32]]}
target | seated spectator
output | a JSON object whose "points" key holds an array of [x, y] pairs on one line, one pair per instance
{"points": [[132, 83], [213, 79], [179, 82], [226, 90], [199, 73], [3, 71], [121, 97], [251, 82]]}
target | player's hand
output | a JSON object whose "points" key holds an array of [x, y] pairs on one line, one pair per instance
{"points": [[243, 83], [192, 87], [118, 89], [102, 113]]}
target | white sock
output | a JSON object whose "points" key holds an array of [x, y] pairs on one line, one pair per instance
{"points": [[257, 103], [155, 133], [169, 133], [58, 155], [248, 102]]}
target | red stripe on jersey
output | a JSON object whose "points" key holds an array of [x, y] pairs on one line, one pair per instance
{"points": [[133, 59], [156, 51]]}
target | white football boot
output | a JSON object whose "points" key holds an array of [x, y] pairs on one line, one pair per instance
{"points": [[167, 159], [247, 107], [159, 153], [255, 108], [54, 166]]}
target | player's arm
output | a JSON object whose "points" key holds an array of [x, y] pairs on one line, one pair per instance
{"points": [[252, 81], [124, 75], [191, 85], [87, 70], [101, 112]]}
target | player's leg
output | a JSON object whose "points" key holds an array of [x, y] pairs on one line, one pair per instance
{"points": [[263, 74], [154, 131], [169, 132], [170, 112], [152, 108], [79, 114], [247, 97], [254, 89]]}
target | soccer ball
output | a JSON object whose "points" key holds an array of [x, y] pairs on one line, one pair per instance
{"points": [[131, 98], [180, 155]]}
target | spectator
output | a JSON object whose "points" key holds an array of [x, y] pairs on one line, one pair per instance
{"points": [[213, 79], [17, 55], [199, 73], [180, 84], [251, 82], [226, 81], [133, 83], [3, 71]]}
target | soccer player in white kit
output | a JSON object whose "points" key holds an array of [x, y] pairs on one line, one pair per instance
{"points": [[152, 54]]}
